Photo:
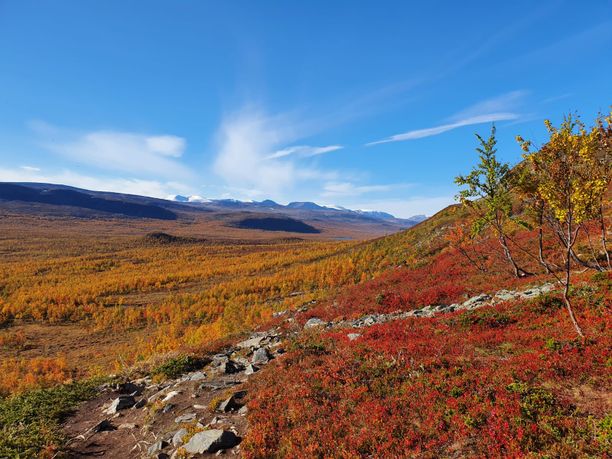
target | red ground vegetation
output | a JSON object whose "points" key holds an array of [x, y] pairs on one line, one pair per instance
{"points": [[503, 381]]}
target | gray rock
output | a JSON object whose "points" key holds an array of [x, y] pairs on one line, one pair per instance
{"points": [[260, 356], [314, 322], [476, 301], [177, 438], [167, 408], [156, 447], [353, 336], [197, 376], [188, 417], [121, 403], [250, 369], [211, 441], [505, 295], [251, 343], [231, 403]]}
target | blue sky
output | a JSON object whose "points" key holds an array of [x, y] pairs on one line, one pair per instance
{"points": [[364, 104]]}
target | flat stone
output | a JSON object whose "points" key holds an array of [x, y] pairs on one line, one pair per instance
{"points": [[188, 417], [211, 441]]}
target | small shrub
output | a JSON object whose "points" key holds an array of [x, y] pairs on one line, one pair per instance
{"points": [[488, 318], [545, 304], [175, 367]]}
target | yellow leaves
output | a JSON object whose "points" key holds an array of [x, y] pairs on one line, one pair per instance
{"points": [[570, 170]]}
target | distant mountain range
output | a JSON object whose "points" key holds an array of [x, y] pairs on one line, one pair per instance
{"points": [[298, 205], [296, 217]]}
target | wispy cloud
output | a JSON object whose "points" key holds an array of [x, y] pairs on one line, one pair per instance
{"points": [[134, 153], [304, 151], [30, 168], [251, 155], [500, 108]]}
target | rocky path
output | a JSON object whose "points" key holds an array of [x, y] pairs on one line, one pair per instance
{"points": [[204, 412]]}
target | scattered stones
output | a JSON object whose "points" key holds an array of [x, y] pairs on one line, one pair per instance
{"points": [[476, 301], [121, 403], [185, 418], [200, 407], [314, 322], [211, 441]]}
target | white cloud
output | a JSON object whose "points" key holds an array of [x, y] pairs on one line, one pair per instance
{"points": [[137, 186], [495, 109], [345, 189], [304, 151], [137, 154], [251, 156], [169, 145], [30, 168]]}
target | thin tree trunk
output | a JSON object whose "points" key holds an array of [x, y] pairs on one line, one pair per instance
{"points": [[518, 271], [568, 274], [604, 244]]}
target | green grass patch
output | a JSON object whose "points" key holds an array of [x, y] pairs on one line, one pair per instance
{"points": [[30, 422]]}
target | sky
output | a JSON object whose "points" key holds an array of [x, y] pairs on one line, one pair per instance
{"points": [[368, 105]]}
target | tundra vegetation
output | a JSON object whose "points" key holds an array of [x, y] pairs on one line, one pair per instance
{"points": [[511, 379]]}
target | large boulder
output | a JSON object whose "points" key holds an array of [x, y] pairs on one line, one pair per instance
{"points": [[211, 441]]}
